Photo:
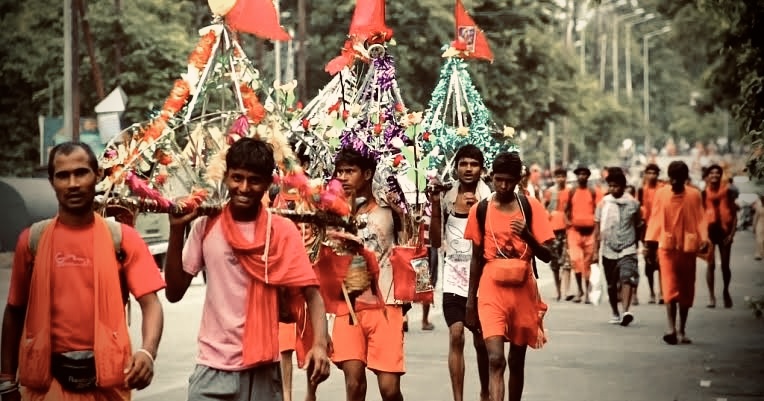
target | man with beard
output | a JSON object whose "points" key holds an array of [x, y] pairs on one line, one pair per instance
{"points": [[249, 255], [679, 226], [617, 227], [721, 214], [510, 306], [66, 274], [449, 219]]}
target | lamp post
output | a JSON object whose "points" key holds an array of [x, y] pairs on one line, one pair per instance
{"points": [[616, 21], [629, 78], [646, 78]]}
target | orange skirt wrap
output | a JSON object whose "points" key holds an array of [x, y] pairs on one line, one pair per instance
{"points": [[677, 276], [515, 313]]}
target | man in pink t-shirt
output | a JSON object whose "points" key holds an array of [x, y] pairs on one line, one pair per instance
{"points": [[248, 254]]}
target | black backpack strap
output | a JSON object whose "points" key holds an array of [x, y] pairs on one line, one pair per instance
{"points": [[482, 212], [525, 209]]}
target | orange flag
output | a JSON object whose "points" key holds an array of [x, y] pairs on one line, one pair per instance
{"points": [[469, 38], [257, 17], [367, 25], [369, 20]]}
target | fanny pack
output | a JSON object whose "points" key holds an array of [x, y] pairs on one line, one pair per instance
{"points": [[584, 230], [509, 272], [75, 370]]}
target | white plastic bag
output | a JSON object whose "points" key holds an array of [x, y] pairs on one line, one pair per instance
{"points": [[597, 281]]}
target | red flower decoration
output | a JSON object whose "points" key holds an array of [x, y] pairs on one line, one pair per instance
{"points": [[397, 161]]}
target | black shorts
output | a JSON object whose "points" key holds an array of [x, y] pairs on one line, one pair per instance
{"points": [[454, 308]]}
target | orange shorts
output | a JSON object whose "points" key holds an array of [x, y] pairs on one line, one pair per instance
{"points": [[376, 340], [287, 337], [514, 313], [581, 252]]}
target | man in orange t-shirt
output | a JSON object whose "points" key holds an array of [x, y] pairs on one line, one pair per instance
{"points": [[555, 200], [580, 209], [76, 258], [510, 306], [646, 197]]}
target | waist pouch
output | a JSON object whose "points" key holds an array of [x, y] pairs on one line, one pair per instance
{"points": [[584, 230], [509, 272], [75, 371]]}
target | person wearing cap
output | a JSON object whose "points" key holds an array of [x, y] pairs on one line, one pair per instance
{"points": [[579, 211], [646, 197], [616, 231], [555, 199], [721, 214], [678, 224]]}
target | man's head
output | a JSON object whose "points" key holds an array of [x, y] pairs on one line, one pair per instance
{"points": [[651, 173], [616, 181], [535, 174], [354, 170], [582, 175], [249, 173], [73, 172], [506, 173], [560, 177], [469, 164], [714, 174], [678, 173]]}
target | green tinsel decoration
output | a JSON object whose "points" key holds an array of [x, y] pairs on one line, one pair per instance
{"points": [[455, 101]]}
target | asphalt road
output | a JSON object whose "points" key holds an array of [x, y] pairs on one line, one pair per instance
{"points": [[585, 359]]}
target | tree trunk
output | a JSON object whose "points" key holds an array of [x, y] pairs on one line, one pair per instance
{"points": [[79, 5]]}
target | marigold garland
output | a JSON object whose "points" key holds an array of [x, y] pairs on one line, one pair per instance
{"points": [[203, 50], [255, 110]]}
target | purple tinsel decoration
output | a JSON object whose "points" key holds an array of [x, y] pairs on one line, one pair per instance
{"points": [[354, 137]]}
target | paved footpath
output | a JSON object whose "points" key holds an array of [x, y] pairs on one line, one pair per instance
{"points": [[586, 359]]}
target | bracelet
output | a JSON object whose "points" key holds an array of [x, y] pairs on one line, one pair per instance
{"points": [[147, 354]]}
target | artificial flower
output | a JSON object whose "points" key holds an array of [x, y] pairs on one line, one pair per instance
{"points": [[463, 131], [509, 132]]}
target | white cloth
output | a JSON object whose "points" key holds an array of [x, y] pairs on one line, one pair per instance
{"points": [[457, 254]]}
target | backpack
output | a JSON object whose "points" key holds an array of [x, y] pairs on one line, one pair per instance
{"points": [[525, 209], [569, 206], [115, 227]]}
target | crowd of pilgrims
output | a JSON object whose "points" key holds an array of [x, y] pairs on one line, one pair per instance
{"points": [[336, 302]]}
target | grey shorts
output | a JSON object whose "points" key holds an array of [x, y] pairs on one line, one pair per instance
{"points": [[628, 270], [261, 383]]}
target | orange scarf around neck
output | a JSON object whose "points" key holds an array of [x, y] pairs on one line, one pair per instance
{"points": [[718, 209], [111, 340], [268, 262]]}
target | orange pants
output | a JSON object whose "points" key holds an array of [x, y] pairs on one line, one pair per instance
{"points": [[377, 339], [581, 252]]}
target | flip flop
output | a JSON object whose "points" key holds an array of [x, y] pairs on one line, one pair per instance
{"points": [[670, 339], [684, 340], [569, 297], [427, 327]]}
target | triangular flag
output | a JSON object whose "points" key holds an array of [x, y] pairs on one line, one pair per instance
{"points": [[369, 20], [469, 38], [257, 17]]}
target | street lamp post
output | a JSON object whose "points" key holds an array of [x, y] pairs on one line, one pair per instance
{"points": [[646, 78], [616, 21], [629, 78]]}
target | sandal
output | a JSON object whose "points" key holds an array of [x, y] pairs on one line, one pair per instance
{"points": [[684, 340], [670, 339], [428, 326]]}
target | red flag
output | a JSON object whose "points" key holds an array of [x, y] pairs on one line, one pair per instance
{"points": [[469, 36], [369, 21], [257, 17]]}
